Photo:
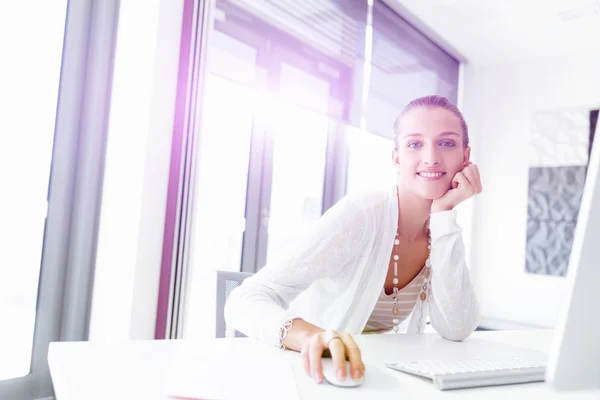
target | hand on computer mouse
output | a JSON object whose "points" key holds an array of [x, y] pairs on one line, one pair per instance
{"points": [[341, 346], [331, 376]]}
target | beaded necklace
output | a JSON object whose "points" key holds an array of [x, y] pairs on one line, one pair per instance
{"points": [[425, 284]]}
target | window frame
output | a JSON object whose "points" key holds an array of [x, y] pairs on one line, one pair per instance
{"points": [[74, 189]]}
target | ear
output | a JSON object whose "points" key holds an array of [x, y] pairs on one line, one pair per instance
{"points": [[467, 156], [395, 158]]}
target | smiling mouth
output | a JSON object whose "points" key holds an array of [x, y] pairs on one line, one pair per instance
{"points": [[431, 175]]}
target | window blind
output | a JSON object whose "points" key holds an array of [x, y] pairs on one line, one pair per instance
{"points": [[404, 65]]}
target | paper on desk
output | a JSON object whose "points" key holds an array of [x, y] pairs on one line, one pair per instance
{"points": [[231, 380]]}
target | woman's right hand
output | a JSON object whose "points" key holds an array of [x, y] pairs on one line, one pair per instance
{"points": [[340, 345]]}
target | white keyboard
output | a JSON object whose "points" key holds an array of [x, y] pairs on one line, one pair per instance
{"points": [[475, 372]]}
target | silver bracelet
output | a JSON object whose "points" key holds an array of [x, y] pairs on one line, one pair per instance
{"points": [[283, 331]]}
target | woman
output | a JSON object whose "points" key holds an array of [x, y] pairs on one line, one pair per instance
{"points": [[377, 259]]}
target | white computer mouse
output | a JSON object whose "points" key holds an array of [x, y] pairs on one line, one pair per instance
{"points": [[329, 373]]}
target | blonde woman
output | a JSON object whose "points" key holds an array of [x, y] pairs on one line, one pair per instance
{"points": [[377, 259]]}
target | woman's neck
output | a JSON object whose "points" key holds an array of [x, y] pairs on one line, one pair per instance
{"points": [[413, 214]]}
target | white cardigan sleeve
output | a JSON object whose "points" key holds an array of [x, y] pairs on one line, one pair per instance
{"points": [[453, 308], [258, 307]]}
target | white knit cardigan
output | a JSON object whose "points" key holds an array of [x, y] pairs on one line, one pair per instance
{"points": [[335, 273]]}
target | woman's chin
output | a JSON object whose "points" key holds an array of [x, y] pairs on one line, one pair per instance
{"points": [[432, 194], [428, 190]]}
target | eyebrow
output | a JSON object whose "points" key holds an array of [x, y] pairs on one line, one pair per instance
{"points": [[449, 133]]}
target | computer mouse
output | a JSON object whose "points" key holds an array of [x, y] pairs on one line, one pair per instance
{"points": [[330, 375]]}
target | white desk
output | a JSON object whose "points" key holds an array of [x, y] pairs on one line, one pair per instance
{"points": [[138, 369]]}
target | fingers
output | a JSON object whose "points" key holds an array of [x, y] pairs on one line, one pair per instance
{"points": [[357, 368], [467, 186], [338, 354], [460, 181], [315, 351], [304, 352], [341, 346], [478, 177], [472, 174]]}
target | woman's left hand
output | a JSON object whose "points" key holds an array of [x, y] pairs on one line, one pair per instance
{"points": [[465, 184]]}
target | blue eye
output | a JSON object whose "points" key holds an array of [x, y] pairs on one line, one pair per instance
{"points": [[448, 143], [414, 145]]}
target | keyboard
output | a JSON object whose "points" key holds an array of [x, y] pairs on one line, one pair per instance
{"points": [[474, 372]]}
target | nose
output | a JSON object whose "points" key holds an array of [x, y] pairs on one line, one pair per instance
{"points": [[431, 156]]}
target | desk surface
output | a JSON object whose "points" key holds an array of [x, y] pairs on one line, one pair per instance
{"points": [[139, 369]]}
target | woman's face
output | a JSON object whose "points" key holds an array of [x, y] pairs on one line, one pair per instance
{"points": [[430, 151]]}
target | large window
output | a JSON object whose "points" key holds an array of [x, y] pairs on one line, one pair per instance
{"points": [[267, 111], [297, 107]]}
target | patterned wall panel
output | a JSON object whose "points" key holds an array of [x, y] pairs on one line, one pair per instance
{"points": [[552, 210], [559, 153]]}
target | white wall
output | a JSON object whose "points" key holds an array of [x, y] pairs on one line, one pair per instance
{"points": [[467, 106], [137, 167], [499, 102]]}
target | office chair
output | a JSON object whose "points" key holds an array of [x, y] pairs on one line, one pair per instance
{"points": [[226, 282]]}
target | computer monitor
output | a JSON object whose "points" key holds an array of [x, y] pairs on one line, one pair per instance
{"points": [[574, 358]]}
